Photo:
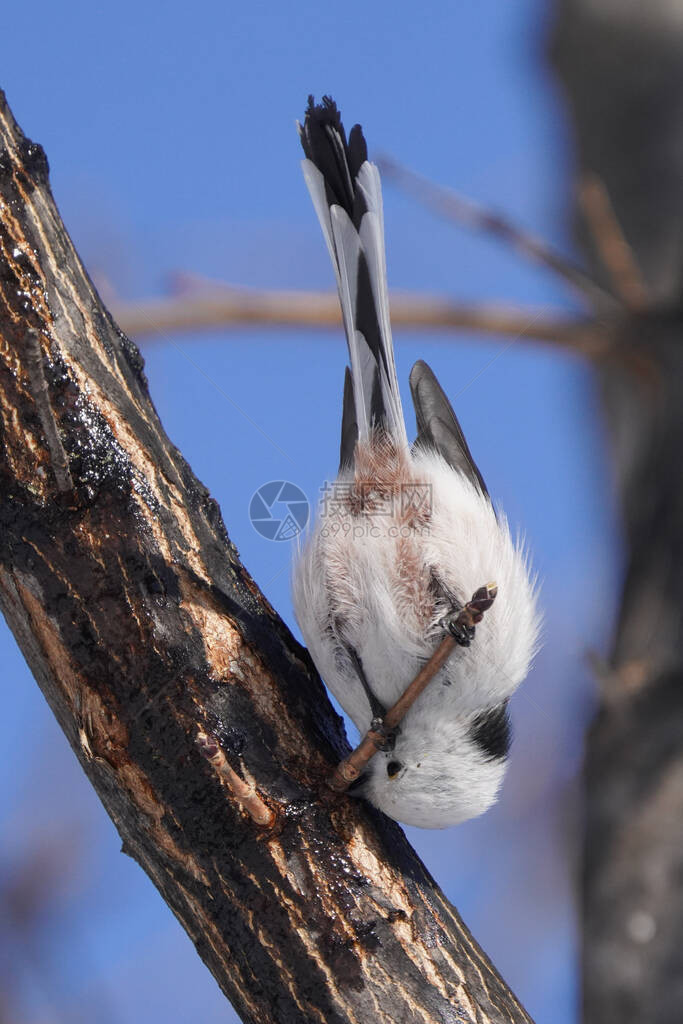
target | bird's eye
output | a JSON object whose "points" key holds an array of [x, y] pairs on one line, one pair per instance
{"points": [[393, 768]]}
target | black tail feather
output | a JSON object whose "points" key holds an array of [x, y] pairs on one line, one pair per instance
{"points": [[324, 142], [343, 165], [349, 428]]}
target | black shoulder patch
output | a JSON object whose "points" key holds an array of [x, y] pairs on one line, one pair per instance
{"points": [[491, 730]]}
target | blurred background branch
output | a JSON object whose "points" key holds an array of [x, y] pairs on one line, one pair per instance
{"points": [[223, 307], [453, 206], [621, 69]]}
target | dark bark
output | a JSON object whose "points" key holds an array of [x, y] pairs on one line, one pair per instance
{"points": [[622, 70], [144, 631]]}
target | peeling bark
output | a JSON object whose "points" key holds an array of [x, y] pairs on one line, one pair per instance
{"points": [[189, 705]]}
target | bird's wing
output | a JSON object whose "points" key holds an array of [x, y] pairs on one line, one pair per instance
{"points": [[438, 427]]}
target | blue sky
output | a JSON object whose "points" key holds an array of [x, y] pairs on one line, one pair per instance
{"points": [[170, 135]]}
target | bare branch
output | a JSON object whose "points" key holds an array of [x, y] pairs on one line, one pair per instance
{"points": [[615, 252], [232, 308], [448, 203]]}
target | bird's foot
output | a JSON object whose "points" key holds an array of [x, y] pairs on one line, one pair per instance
{"points": [[462, 633], [461, 624], [389, 737]]}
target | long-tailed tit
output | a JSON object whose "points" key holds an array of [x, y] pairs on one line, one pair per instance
{"points": [[407, 533]]}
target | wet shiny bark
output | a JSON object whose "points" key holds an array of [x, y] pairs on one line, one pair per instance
{"points": [[199, 720]]}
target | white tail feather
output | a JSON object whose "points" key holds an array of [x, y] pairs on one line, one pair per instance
{"points": [[347, 254], [372, 239], [315, 183], [345, 244]]}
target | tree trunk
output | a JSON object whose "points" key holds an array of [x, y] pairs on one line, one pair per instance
{"points": [[199, 720], [622, 69]]}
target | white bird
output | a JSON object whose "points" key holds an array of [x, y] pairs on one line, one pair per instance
{"points": [[405, 536]]}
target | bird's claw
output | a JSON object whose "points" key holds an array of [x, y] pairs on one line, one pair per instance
{"points": [[377, 725], [462, 634]]}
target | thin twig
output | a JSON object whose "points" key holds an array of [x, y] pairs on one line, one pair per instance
{"points": [[615, 253], [244, 793], [58, 457], [348, 770], [229, 308], [465, 211]]}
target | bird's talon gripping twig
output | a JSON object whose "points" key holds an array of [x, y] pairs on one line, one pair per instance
{"points": [[383, 730], [462, 634], [461, 625], [389, 735]]}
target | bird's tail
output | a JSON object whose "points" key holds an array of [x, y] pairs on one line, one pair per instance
{"points": [[347, 196]]}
